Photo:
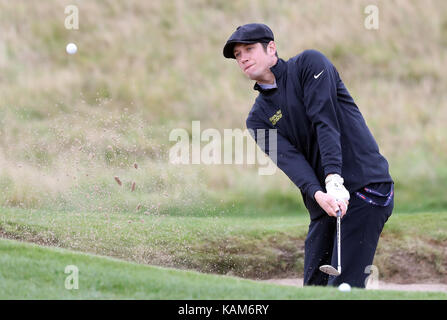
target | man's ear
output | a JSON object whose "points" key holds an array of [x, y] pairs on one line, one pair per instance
{"points": [[271, 48]]}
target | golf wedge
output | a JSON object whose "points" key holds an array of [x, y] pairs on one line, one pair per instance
{"points": [[328, 268]]}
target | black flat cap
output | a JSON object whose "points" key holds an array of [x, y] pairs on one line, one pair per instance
{"points": [[248, 33]]}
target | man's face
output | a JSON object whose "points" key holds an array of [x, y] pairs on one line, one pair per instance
{"points": [[253, 60]]}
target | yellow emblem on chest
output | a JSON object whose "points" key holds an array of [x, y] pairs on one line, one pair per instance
{"points": [[275, 118]]}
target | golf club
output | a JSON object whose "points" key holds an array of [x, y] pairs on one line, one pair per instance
{"points": [[328, 268]]}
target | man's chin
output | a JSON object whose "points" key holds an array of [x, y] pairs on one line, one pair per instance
{"points": [[252, 76]]}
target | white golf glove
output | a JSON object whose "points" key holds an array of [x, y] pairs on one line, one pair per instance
{"points": [[335, 187]]}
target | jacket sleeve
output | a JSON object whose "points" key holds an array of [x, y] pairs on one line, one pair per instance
{"points": [[285, 155], [319, 82]]}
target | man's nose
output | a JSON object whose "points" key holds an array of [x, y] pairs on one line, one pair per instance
{"points": [[244, 57]]}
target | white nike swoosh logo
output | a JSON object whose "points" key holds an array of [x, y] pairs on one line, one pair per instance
{"points": [[316, 76]]}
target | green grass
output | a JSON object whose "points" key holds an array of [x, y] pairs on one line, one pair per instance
{"points": [[247, 246], [70, 123], [428, 225], [29, 271]]}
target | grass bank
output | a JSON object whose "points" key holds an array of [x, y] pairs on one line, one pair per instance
{"points": [[252, 247], [34, 272]]}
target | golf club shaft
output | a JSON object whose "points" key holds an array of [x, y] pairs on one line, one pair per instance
{"points": [[338, 241]]}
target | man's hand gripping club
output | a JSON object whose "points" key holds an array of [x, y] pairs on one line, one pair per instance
{"points": [[336, 196]]}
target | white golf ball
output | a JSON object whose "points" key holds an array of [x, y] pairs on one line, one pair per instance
{"points": [[71, 48], [344, 287]]}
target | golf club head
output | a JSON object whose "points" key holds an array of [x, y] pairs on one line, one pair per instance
{"points": [[330, 270]]}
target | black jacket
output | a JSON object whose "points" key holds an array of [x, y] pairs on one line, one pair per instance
{"points": [[320, 129]]}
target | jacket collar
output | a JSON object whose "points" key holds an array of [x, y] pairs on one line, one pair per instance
{"points": [[278, 70]]}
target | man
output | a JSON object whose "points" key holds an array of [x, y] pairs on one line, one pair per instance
{"points": [[324, 146]]}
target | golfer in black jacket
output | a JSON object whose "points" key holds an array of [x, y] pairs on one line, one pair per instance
{"points": [[324, 146]]}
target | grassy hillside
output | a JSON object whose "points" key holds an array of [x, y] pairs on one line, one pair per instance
{"points": [[34, 272], [69, 124]]}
